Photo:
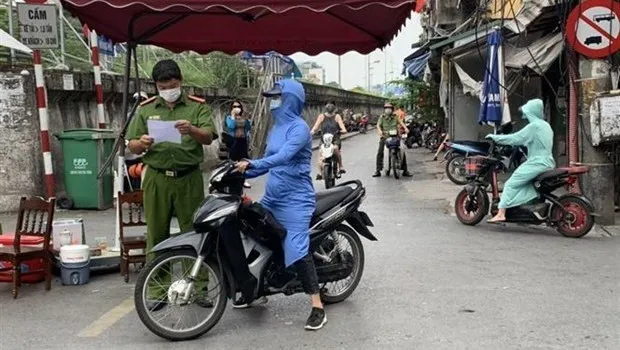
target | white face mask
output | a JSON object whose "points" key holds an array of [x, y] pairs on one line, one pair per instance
{"points": [[170, 95], [388, 111], [275, 103], [236, 111]]}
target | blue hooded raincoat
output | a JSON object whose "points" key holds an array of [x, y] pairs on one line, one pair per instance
{"points": [[537, 136], [289, 194]]}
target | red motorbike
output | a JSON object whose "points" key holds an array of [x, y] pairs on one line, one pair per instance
{"points": [[362, 124], [572, 215]]}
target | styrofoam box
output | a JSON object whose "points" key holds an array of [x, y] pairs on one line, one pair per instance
{"points": [[75, 226]]}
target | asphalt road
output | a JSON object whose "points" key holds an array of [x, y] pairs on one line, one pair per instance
{"points": [[429, 283]]}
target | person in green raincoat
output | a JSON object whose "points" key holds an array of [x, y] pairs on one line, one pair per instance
{"points": [[537, 136]]}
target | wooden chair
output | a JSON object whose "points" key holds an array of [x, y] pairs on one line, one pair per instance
{"points": [[35, 218], [133, 202]]}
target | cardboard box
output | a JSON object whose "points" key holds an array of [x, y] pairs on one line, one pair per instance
{"points": [[74, 226]]}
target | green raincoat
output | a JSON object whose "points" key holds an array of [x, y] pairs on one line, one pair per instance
{"points": [[537, 136]]}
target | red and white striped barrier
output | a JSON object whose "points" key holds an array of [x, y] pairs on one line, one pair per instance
{"points": [[98, 87], [44, 123]]}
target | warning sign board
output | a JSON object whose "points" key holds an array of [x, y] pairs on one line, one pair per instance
{"points": [[593, 28], [38, 25]]}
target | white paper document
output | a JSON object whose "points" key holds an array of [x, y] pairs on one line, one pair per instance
{"points": [[163, 131]]}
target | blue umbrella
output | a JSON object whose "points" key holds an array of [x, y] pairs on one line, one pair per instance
{"points": [[493, 104]]}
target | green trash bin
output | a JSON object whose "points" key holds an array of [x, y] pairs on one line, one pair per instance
{"points": [[84, 152]]}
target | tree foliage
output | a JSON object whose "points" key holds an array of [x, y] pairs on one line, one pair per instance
{"points": [[212, 70], [333, 84], [420, 98]]}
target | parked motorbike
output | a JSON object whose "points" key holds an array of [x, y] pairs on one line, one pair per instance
{"points": [[330, 161], [415, 133], [458, 151], [392, 143], [181, 261], [430, 136], [571, 215], [362, 124]]}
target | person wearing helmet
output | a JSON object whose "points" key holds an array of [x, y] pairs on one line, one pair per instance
{"points": [[389, 121], [330, 122]]}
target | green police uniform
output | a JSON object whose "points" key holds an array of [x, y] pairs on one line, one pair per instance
{"points": [[173, 183], [387, 123]]}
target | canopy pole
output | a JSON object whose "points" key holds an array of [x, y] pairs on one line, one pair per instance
{"points": [[41, 99], [94, 56], [120, 169], [11, 30]]}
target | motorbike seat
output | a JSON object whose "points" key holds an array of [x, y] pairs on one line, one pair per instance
{"points": [[325, 200], [551, 174]]}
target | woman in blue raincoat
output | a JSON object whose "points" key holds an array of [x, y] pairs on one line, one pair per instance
{"points": [[537, 136], [289, 194]]}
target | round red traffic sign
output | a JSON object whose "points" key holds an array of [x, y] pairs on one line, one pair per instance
{"points": [[593, 28]]}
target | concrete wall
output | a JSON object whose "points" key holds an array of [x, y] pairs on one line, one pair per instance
{"points": [[74, 107]]}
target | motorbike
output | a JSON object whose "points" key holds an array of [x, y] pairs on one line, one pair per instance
{"points": [[195, 272], [330, 161], [392, 143], [571, 215], [362, 124], [415, 133], [430, 136], [458, 151]]}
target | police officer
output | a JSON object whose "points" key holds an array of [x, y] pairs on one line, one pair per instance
{"points": [[389, 121], [173, 183]]}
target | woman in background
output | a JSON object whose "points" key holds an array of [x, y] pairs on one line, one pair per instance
{"points": [[237, 127]]}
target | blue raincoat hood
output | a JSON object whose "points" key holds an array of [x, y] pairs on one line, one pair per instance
{"points": [[293, 99]]}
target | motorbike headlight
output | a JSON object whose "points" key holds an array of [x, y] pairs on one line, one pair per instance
{"points": [[222, 212]]}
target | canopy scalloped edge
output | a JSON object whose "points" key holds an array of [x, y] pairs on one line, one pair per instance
{"points": [[79, 3]]}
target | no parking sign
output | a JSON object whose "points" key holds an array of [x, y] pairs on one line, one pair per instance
{"points": [[593, 28]]}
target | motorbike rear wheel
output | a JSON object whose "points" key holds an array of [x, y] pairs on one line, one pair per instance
{"points": [[470, 210], [577, 221], [154, 319], [345, 287], [455, 169]]}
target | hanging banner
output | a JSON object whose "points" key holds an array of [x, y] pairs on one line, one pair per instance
{"points": [[106, 47]]}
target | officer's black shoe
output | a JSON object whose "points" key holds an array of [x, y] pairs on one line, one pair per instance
{"points": [[407, 174], [376, 174], [319, 177]]}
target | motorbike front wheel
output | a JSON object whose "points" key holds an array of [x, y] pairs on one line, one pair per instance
{"points": [[471, 209], [455, 169], [395, 163], [159, 290], [328, 175]]}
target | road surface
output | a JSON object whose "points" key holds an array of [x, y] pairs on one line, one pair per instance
{"points": [[429, 283]]}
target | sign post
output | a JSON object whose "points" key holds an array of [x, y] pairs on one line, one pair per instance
{"points": [[593, 28], [38, 26]]}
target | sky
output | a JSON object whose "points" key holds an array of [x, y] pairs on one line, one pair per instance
{"points": [[353, 64]]}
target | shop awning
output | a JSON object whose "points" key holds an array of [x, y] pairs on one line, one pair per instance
{"points": [[414, 67], [6, 40], [541, 54], [468, 36], [258, 26]]}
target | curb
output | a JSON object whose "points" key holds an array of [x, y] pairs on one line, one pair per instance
{"points": [[342, 138]]}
